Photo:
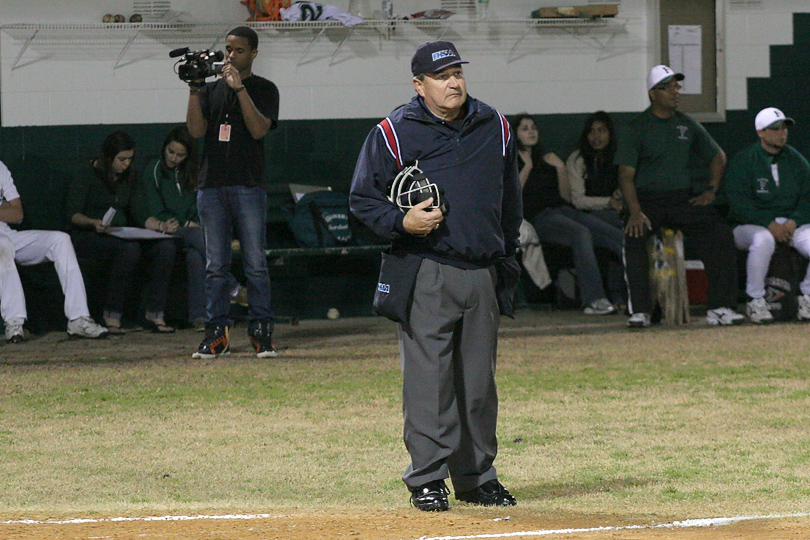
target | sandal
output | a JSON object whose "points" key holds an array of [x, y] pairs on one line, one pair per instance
{"points": [[113, 327], [159, 328]]}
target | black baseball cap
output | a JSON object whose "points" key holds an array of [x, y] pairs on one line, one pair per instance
{"points": [[434, 56]]}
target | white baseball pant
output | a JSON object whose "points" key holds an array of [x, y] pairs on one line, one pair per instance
{"points": [[34, 247], [760, 244]]}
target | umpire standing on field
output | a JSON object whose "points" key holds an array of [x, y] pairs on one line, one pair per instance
{"points": [[448, 344]]}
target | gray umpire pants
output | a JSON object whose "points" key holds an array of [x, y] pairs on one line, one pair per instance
{"points": [[450, 402]]}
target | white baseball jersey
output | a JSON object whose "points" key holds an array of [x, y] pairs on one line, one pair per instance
{"points": [[8, 192]]}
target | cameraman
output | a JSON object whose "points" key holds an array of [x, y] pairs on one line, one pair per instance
{"points": [[234, 113]]}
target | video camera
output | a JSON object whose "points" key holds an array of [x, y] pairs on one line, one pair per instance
{"points": [[198, 64]]}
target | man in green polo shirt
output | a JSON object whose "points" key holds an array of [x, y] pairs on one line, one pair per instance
{"points": [[768, 187], [653, 157]]}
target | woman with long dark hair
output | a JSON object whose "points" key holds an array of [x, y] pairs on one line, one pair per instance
{"points": [[109, 182], [594, 180], [170, 190], [593, 176], [546, 205]]}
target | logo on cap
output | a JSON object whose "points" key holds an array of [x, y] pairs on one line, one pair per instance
{"points": [[438, 55], [435, 56]]}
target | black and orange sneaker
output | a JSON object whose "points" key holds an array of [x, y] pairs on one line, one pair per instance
{"points": [[261, 337], [215, 343]]}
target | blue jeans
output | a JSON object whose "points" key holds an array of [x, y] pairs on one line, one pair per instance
{"points": [[194, 252], [609, 216], [223, 211], [581, 232], [617, 285]]}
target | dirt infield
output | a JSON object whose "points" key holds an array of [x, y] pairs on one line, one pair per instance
{"points": [[412, 525]]}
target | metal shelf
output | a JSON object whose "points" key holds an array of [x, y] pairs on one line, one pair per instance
{"points": [[55, 41]]}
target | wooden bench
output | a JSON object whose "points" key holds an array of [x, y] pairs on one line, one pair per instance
{"points": [[309, 282], [281, 256], [306, 282]]}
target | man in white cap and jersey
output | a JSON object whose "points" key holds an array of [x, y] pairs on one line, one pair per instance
{"points": [[768, 188]]}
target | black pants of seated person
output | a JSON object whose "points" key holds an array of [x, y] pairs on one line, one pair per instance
{"points": [[124, 256], [708, 233]]}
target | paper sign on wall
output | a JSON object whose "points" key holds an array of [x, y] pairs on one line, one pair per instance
{"points": [[685, 43]]}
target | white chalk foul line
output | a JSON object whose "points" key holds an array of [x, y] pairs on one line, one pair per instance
{"points": [[120, 519], [708, 522]]}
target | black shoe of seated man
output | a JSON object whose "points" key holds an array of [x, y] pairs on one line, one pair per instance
{"points": [[431, 497], [261, 338], [490, 493]]}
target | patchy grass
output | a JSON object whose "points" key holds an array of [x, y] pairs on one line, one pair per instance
{"points": [[593, 419]]}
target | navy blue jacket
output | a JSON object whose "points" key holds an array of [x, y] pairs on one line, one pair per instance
{"points": [[475, 167]]}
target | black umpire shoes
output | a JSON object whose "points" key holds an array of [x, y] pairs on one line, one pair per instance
{"points": [[490, 493], [430, 497]]}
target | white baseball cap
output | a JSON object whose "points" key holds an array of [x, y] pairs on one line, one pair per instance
{"points": [[659, 74], [770, 116]]}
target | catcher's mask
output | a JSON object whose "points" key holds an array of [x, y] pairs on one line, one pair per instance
{"points": [[411, 187]]}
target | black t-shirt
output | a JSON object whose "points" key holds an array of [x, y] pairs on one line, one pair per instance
{"points": [[601, 180], [541, 190], [239, 161]]}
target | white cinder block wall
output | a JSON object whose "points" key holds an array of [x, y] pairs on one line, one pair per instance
{"points": [[749, 33], [98, 76]]}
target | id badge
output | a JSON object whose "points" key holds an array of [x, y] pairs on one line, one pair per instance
{"points": [[224, 132]]}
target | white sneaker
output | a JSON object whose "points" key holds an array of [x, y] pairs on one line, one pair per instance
{"points": [[639, 320], [804, 308], [85, 327], [723, 317], [757, 310], [14, 330], [600, 307]]}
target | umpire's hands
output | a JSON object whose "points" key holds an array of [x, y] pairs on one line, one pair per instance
{"points": [[508, 277], [420, 221]]}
